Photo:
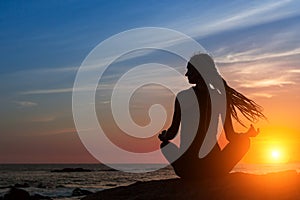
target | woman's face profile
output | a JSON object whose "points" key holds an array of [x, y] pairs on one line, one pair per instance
{"points": [[192, 74]]}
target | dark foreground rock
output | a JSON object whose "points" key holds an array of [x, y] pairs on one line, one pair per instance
{"points": [[71, 170], [22, 185], [283, 185], [39, 197], [20, 194], [80, 192], [16, 193]]}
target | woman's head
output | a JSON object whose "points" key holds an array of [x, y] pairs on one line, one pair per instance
{"points": [[204, 64], [198, 64], [193, 75]]}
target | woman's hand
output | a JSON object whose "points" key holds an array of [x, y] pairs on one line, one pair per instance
{"points": [[252, 132]]}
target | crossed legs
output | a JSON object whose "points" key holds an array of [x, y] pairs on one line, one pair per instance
{"points": [[217, 163]]}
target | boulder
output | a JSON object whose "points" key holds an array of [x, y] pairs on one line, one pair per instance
{"points": [[80, 192], [16, 193]]}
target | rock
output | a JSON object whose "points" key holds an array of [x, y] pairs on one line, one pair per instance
{"points": [[110, 184], [24, 185], [80, 192], [5, 187], [40, 197], [41, 185], [60, 186], [283, 185], [71, 170], [16, 194], [20, 194]]}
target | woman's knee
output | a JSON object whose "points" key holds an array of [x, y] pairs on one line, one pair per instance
{"points": [[245, 143], [242, 142]]}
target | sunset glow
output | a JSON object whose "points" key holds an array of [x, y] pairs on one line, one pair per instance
{"points": [[255, 45], [276, 155]]}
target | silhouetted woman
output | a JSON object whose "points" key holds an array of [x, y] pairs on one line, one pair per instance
{"points": [[217, 162]]}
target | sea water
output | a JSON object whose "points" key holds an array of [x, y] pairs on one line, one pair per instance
{"points": [[59, 185]]}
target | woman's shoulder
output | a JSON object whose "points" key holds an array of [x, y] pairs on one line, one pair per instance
{"points": [[186, 92]]}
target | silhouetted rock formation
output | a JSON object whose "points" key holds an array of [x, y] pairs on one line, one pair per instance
{"points": [[71, 170], [283, 185], [15, 193], [21, 185], [19, 194], [80, 192], [40, 197]]}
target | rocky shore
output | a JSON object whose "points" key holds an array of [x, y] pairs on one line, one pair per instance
{"points": [[281, 185], [16, 193]]}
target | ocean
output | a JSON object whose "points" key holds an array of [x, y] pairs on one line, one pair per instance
{"points": [[39, 178]]}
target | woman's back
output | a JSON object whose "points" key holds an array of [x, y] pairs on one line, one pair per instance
{"points": [[192, 122]]}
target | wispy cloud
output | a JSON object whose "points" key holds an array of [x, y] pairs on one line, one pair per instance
{"points": [[47, 91], [63, 131], [262, 79], [63, 90], [280, 81], [25, 103], [254, 55], [54, 70], [266, 95], [147, 74], [244, 16], [43, 119], [294, 71]]}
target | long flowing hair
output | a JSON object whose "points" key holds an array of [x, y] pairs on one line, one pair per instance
{"points": [[236, 101], [247, 107]]}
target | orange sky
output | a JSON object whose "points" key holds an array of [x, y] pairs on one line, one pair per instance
{"points": [[254, 43], [278, 132], [279, 96]]}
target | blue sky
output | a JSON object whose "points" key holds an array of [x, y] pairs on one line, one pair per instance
{"points": [[63, 32], [43, 43]]}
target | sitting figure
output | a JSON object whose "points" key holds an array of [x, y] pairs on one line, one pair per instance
{"points": [[217, 162]]}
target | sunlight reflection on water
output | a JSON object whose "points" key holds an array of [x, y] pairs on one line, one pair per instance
{"points": [[266, 168]]}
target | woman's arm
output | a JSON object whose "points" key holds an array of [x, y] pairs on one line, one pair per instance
{"points": [[228, 127], [172, 131], [231, 134]]}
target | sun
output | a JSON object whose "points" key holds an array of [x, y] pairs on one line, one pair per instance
{"points": [[277, 155]]}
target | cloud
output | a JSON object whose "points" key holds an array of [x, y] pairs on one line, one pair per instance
{"points": [[43, 119], [59, 90], [241, 17], [266, 95], [280, 81], [54, 70], [263, 78], [48, 91], [254, 55], [294, 71], [63, 131], [261, 74], [26, 103]]}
